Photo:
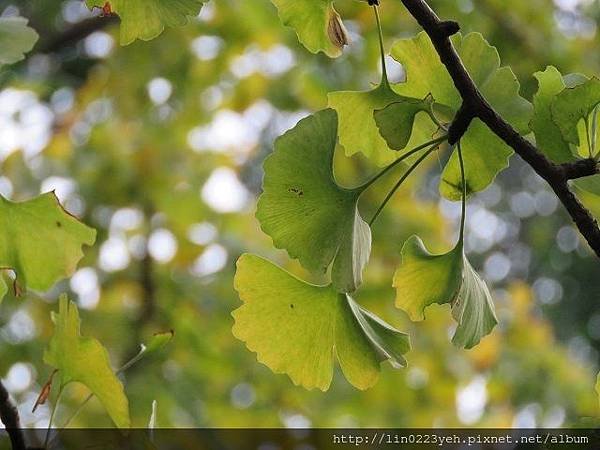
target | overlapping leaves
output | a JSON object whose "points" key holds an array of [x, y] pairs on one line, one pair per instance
{"points": [[423, 279], [306, 212], [318, 25], [146, 19], [358, 131], [40, 241], [484, 153], [565, 121], [300, 329], [16, 39], [85, 360]]}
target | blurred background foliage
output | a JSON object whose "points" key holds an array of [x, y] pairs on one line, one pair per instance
{"points": [[159, 146]]}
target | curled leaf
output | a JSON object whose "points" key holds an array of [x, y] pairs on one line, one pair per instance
{"points": [[45, 392], [336, 30], [306, 212], [299, 329], [316, 22], [423, 279]]}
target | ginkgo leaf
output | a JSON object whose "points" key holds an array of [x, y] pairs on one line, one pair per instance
{"points": [[85, 360], [396, 121], [473, 309], [573, 105], [40, 241], [548, 135], [484, 154], [16, 39], [157, 342], [146, 19], [423, 279], [317, 24], [358, 131], [306, 212], [298, 329]]}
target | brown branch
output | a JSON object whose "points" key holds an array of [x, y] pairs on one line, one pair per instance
{"points": [[74, 34], [476, 106], [10, 418]]}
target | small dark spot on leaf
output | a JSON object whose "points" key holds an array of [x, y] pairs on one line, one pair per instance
{"points": [[292, 305], [58, 224], [298, 191]]}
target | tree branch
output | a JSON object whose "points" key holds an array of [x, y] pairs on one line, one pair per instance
{"points": [[75, 33], [10, 418], [476, 106]]}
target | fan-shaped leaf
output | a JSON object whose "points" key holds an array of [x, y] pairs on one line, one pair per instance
{"points": [[306, 212], [358, 131], [573, 105], [484, 154], [16, 39], [423, 279], [396, 121], [146, 19], [296, 328], [317, 24], [40, 241], [548, 136], [85, 360]]}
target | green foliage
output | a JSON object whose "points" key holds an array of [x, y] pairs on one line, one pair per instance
{"points": [[143, 150], [358, 131], [146, 19], [423, 279], [40, 241], [306, 212], [295, 328], [318, 25], [85, 360], [16, 39], [485, 154], [396, 121], [548, 135], [576, 104], [565, 122]]}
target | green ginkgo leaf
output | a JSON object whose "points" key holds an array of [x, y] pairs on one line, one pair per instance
{"points": [[484, 154], [548, 135], [317, 24], [146, 19], [85, 360], [306, 212], [396, 121], [16, 39], [573, 105], [423, 279], [358, 131], [40, 241], [298, 329]]}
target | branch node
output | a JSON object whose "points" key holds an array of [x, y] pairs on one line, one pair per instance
{"points": [[579, 169], [460, 124], [448, 28]]}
